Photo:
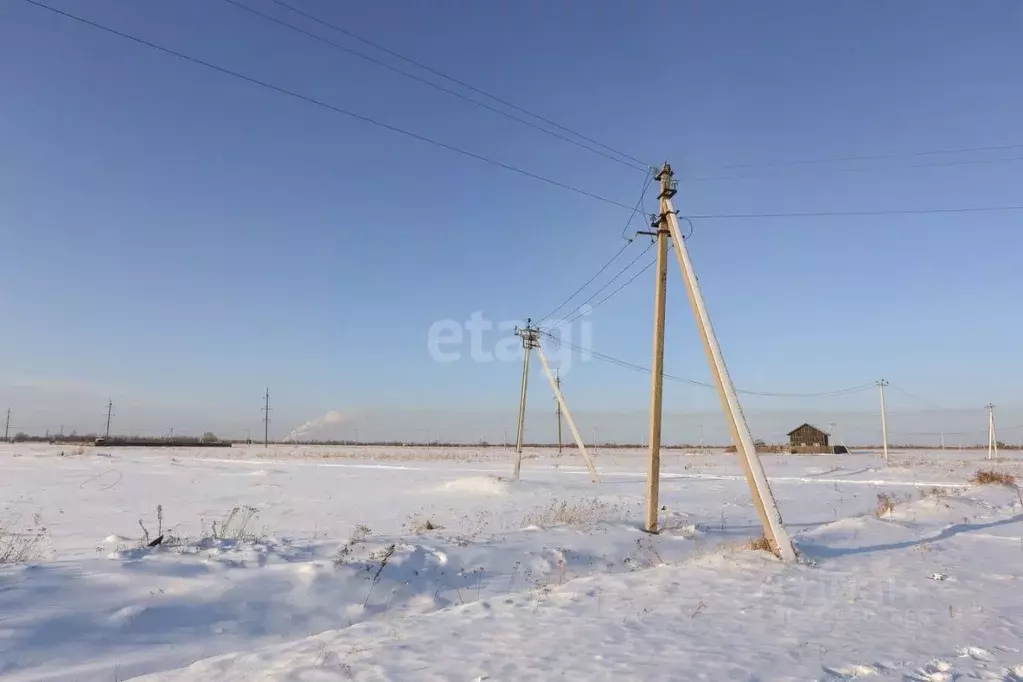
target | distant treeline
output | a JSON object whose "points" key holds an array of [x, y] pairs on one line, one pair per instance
{"points": [[211, 440]]}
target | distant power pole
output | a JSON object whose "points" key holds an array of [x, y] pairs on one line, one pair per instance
{"points": [[266, 418], [530, 336], [7, 427], [557, 382], [884, 419], [110, 413], [992, 440]]}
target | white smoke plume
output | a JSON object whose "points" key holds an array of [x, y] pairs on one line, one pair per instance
{"points": [[329, 419]]}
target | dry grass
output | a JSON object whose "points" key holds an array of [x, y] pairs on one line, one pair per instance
{"points": [[761, 544], [990, 477], [580, 513], [20, 546], [885, 504]]}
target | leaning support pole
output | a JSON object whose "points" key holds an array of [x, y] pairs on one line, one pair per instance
{"points": [[568, 416], [763, 498]]}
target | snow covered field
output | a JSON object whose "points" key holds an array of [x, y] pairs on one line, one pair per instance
{"points": [[427, 564]]}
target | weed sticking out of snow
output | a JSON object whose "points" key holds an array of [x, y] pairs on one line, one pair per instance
{"points": [[990, 477], [235, 526], [579, 513], [345, 554], [416, 525], [885, 504], [21, 545]]}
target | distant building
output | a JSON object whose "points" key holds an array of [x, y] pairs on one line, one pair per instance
{"points": [[807, 438]]}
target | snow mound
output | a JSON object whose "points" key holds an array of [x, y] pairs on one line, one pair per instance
{"points": [[977, 503], [118, 539], [479, 485]]}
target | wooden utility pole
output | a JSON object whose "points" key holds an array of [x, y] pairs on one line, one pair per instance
{"points": [[266, 419], [110, 413], [763, 498], [530, 336], [7, 427], [660, 234], [568, 415], [884, 419], [557, 382], [992, 439]]}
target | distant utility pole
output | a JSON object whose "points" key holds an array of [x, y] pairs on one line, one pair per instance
{"points": [[530, 336], [557, 382], [884, 419], [942, 437], [7, 427], [660, 224], [992, 440], [266, 418], [110, 413]]}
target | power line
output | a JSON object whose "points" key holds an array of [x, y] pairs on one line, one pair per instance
{"points": [[872, 157], [646, 370], [325, 105], [475, 89], [817, 171], [408, 74], [602, 288], [826, 214], [639, 204], [611, 295], [629, 240], [604, 267]]}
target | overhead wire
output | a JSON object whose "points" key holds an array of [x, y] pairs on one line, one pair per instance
{"points": [[638, 208], [693, 382], [817, 171], [452, 79], [487, 159], [611, 295], [326, 105], [564, 320], [585, 284], [628, 241], [872, 157], [425, 81], [826, 214]]}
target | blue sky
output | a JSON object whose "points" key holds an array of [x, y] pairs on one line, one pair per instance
{"points": [[178, 240]]}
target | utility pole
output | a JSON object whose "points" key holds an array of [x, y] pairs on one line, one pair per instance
{"points": [[266, 418], [557, 383], [884, 419], [7, 427], [701, 437], [530, 336], [760, 488], [942, 437], [992, 440], [660, 234], [110, 413]]}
